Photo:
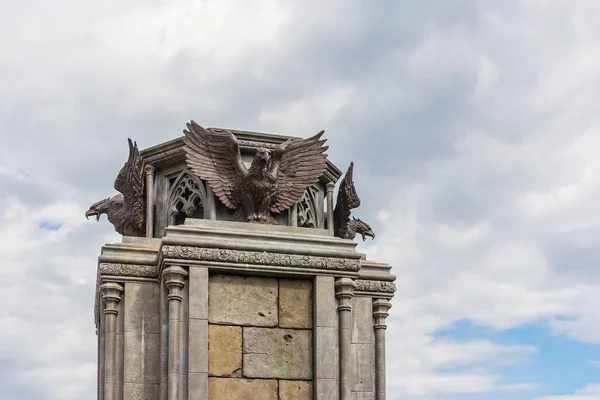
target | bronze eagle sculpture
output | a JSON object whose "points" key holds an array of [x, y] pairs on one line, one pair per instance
{"points": [[126, 211], [275, 180], [347, 199]]}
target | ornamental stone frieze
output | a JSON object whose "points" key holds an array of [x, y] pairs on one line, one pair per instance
{"points": [[375, 286], [260, 258], [118, 269]]}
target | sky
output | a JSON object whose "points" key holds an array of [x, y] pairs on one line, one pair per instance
{"points": [[473, 125]]}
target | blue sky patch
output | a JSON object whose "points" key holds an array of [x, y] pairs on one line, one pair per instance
{"points": [[561, 365], [50, 225]]}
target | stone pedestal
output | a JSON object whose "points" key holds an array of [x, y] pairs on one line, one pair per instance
{"points": [[227, 310]]}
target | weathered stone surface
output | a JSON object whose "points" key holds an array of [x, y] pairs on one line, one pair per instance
{"points": [[198, 385], [326, 309], [198, 346], [241, 389], [362, 396], [224, 350], [240, 300], [295, 303], [277, 353], [295, 390], [137, 391], [141, 358], [327, 366], [362, 372], [362, 320], [327, 389], [141, 307], [198, 289]]}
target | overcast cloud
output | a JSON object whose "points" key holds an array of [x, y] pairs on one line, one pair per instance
{"points": [[475, 131]]}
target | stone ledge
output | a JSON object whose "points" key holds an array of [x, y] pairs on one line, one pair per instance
{"points": [[257, 237]]}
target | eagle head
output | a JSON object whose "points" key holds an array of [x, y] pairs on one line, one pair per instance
{"points": [[261, 161], [263, 155], [362, 228], [104, 206]]}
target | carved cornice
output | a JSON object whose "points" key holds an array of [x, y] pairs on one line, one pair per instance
{"points": [[263, 145], [164, 154], [375, 286], [117, 269], [260, 258]]}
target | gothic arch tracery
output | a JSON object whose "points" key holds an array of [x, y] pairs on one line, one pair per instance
{"points": [[187, 198]]}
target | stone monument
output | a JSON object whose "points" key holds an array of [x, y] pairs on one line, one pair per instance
{"points": [[236, 278]]}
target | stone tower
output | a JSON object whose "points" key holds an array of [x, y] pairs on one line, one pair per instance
{"points": [[205, 307]]}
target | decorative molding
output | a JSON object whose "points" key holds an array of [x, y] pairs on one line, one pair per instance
{"points": [[165, 154], [375, 286], [117, 269], [263, 145], [260, 258]]}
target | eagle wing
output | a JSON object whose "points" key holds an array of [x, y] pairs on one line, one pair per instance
{"points": [[347, 199], [296, 164], [214, 155], [130, 182]]}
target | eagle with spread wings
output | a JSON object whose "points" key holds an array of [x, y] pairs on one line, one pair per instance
{"points": [[126, 211], [275, 180], [347, 199]]}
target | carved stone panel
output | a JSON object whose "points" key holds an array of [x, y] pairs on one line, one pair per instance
{"points": [[308, 209], [187, 198]]}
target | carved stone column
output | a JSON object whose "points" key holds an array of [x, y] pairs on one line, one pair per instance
{"points": [[330, 187], [111, 296], [381, 309], [211, 209], [344, 291], [149, 200], [174, 278], [294, 215]]}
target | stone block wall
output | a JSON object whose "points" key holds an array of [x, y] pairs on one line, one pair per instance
{"points": [[260, 338]]}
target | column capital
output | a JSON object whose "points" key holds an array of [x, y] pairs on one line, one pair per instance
{"points": [[111, 296], [344, 287], [381, 308], [174, 277], [344, 291], [149, 169], [330, 186]]}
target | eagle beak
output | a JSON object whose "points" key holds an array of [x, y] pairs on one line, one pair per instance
{"points": [[90, 213], [368, 233]]}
